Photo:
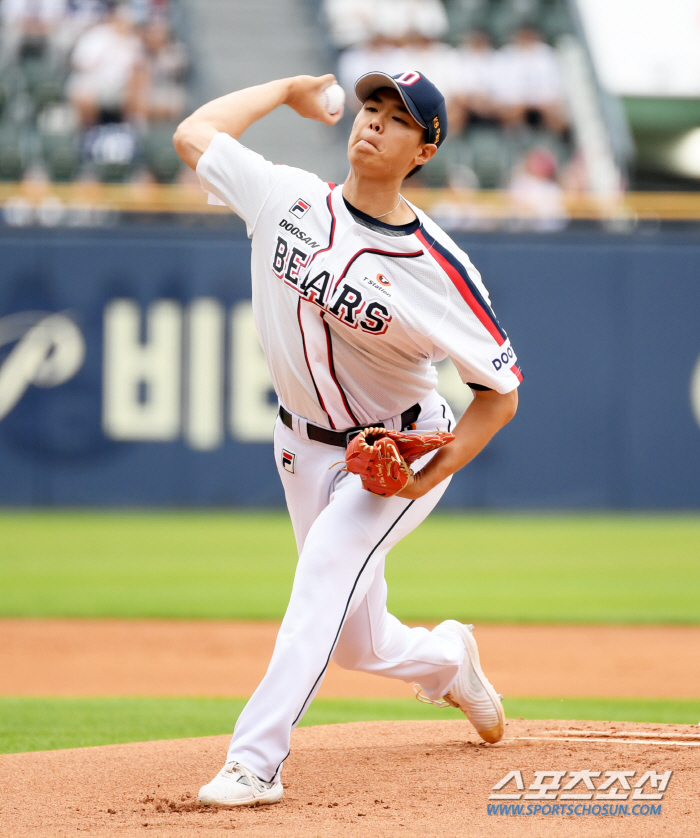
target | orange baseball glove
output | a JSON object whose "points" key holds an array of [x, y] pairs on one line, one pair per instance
{"points": [[383, 458]]}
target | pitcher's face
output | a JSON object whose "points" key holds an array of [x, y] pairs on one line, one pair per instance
{"points": [[385, 139]]}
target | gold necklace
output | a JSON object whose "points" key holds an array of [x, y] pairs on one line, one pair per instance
{"points": [[390, 211]]}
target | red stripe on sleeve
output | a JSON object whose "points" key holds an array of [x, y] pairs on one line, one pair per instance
{"points": [[464, 290]]}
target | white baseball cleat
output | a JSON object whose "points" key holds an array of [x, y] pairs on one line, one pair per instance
{"points": [[236, 785], [471, 692]]}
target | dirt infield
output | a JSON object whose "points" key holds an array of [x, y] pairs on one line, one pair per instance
{"points": [[377, 779], [157, 657]]}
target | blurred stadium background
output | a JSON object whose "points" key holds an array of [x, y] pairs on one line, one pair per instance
{"points": [[559, 109], [131, 377]]}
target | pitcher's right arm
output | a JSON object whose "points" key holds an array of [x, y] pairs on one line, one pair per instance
{"points": [[233, 113]]}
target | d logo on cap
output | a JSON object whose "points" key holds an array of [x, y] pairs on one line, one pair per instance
{"points": [[422, 99], [407, 79]]}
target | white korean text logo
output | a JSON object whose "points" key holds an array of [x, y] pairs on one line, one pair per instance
{"points": [[171, 371], [551, 785]]}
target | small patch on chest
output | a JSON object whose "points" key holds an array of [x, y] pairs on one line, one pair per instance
{"points": [[381, 284]]}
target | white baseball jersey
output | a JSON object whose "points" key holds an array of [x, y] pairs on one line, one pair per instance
{"points": [[352, 312]]}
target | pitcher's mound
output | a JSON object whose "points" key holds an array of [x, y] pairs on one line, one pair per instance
{"points": [[429, 779]]}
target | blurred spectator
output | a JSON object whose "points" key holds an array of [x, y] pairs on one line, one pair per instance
{"points": [[111, 120], [474, 92], [80, 15], [166, 67], [535, 193], [349, 21], [416, 52], [528, 82], [27, 26], [401, 19], [379, 53], [107, 70], [574, 177], [111, 151], [433, 58], [354, 22]]}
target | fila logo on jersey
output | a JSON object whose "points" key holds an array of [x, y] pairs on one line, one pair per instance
{"points": [[300, 208], [288, 460]]}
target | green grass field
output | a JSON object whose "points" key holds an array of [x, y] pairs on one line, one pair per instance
{"points": [[39, 724], [485, 568], [481, 568]]}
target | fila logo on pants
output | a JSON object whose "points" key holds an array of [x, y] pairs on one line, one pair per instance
{"points": [[288, 460]]}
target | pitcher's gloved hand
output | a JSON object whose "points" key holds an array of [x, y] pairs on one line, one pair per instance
{"points": [[383, 458]]}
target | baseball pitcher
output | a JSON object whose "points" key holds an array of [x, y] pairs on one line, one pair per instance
{"points": [[356, 293]]}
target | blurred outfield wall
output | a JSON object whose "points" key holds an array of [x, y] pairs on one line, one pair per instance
{"points": [[130, 373]]}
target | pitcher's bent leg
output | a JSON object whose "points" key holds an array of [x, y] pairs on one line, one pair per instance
{"points": [[341, 553], [373, 640]]}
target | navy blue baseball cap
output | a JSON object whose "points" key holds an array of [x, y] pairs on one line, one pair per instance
{"points": [[424, 101]]}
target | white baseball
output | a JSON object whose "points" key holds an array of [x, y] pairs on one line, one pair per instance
{"points": [[333, 99]]}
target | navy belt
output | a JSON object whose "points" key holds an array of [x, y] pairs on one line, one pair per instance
{"points": [[342, 438]]}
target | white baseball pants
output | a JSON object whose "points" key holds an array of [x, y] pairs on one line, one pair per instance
{"points": [[338, 603]]}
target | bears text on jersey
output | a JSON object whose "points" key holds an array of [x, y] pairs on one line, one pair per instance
{"points": [[342, 300]]}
